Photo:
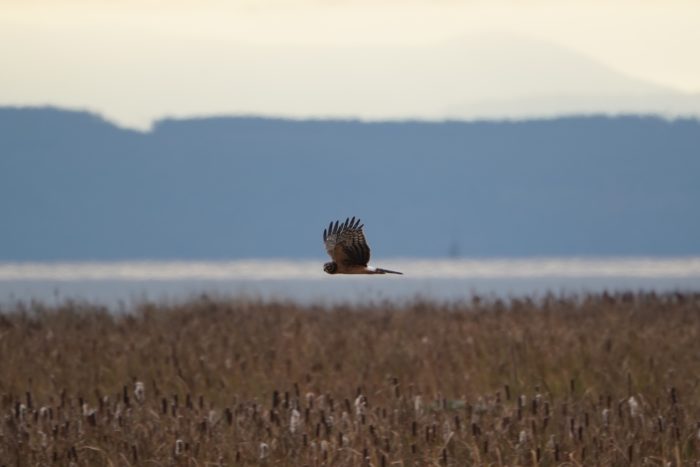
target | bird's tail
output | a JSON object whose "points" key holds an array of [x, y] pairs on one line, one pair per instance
{"points": [[387, 271]]}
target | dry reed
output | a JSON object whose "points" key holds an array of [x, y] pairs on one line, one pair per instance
{"points": [[592, 380]]}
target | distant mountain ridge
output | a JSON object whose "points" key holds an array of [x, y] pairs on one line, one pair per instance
{"points": [[470, 77], [75, 187]]}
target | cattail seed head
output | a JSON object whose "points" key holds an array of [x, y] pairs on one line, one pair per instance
{"points": [[264, 451], [360, 405], [139, 392], [634, 407], [294, 421], [179, 447], [522, 437], [418, 404]]}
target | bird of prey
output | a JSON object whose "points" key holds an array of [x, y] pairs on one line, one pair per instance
{"points": [[347, 247]]}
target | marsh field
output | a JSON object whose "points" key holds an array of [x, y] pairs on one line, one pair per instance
{"points": [[604, 379]]}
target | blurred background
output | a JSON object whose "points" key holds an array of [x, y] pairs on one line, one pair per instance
{"points": [[229, 130]]}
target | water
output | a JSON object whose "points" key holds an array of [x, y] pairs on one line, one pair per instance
{"points": [[123, 284]]}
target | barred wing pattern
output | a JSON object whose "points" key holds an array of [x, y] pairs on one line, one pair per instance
{"points": [[346, 243]]}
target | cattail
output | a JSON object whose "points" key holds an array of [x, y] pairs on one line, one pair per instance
{"points": [[264, 451], [20, 411], [294, 421], [606, 417], [125, 396], [476, 431], [179, 447], [321, 402], [91, 418], [139, 392], [522, 437], [360, 405], [418, 404], [634, 406], [310, 400]]}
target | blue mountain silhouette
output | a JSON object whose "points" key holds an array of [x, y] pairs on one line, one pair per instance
{"points": [[75, 187]]}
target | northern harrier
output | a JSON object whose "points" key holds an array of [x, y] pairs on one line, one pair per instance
{"points": [[347, 247]]}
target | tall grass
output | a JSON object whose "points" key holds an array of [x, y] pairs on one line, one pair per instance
{"points": [[592, 380]]}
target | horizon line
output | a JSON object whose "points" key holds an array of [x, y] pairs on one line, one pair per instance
{"points": [[534, 117]]}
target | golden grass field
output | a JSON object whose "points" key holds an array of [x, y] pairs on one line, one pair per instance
{"points": [[590, 380]]}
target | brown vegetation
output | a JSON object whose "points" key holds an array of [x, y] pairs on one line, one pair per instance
{"points": [[595, 380]]}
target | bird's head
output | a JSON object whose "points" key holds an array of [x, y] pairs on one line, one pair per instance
{"points": [[330, 268]]}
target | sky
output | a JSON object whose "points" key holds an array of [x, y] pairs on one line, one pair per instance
{"points": [[138, 60]]}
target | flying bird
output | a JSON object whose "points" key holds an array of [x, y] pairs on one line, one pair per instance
{"points": [[347, 247]]}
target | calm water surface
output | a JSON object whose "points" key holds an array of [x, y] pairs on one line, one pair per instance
{"points": [[122, 284]]}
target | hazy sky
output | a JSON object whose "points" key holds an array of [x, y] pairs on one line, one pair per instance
{"points": [[136, 60]]}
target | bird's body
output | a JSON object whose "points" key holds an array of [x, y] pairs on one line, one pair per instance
{"points": [[347, 247]]}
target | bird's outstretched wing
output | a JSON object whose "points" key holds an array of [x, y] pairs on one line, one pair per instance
{"points": [[346, 243]]}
